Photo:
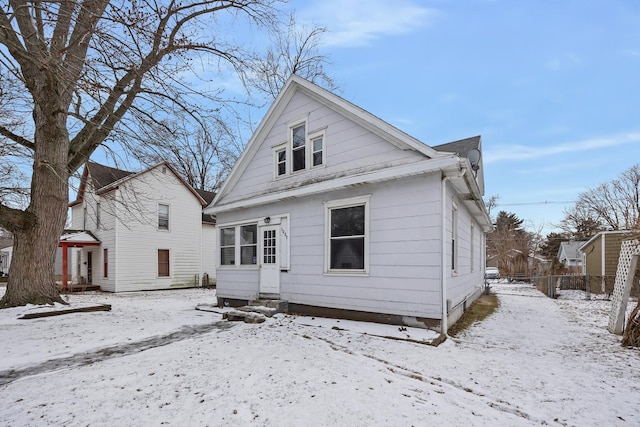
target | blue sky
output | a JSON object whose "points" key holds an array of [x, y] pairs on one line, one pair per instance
{"points": [[553, 87]]}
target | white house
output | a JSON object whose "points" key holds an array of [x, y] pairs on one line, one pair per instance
{"points": [[569, 254], [339, 213], [146, 230], [5, 259]]}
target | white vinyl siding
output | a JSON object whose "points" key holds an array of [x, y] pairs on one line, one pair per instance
{"points": [[163, 217], [138, 236], [347, 241], [238, 245], [404, 244], [347, 147]]}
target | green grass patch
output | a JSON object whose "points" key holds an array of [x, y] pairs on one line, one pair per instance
{"points": [[481, 308]]}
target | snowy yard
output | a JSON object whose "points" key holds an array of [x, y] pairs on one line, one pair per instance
{"points": [[155, 360]]}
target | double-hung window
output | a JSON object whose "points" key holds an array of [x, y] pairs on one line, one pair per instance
{"points": [[347, 230], [163, 217], [248, 244], [454, 238], [298, 147], [317, 150], [302, 151], [228, 246], [281, 161], [239, 245]]}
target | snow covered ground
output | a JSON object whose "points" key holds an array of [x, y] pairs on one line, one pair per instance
{"points": [[155, 360]]}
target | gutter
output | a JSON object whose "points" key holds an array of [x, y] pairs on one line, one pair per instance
{"points": [[443, 186]]}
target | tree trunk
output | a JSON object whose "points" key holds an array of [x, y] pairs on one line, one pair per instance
{"points": [[31, 278]]}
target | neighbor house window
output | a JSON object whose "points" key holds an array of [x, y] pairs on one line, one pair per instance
{"points": [[105, 262], [317, 151], [98, 215], [239, 245], [227, 246], [163, 217], [347, 231], [471, 245], [163, 262], [298, 147], [454, 237]]}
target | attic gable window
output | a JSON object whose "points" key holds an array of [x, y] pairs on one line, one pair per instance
{"points": [[303, 151], [317, 150], [281, 161], [298, 147]]}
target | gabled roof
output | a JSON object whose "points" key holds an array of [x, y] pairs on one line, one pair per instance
{"points": [[105, 175], [365, 119], [78, 237], [450, 163], [461, 147], [599, 235], [108, 179], [208, 197], [571, 249]]}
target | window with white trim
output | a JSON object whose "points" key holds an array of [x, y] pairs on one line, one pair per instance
{"points": [[347, 231], [248, 244], [471, 246], [301, 152], [228, 246], [317, 151], [163, 217], [239, 245], [281, 161], [98, 220], [298, 147], [454, 237]]}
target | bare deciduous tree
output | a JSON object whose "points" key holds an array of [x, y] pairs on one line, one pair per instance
{"points": [[203, 153], [79, 70], [613, 205], [296, 50]]}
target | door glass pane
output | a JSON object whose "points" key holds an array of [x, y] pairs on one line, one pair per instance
{"points": [[269, 247]]}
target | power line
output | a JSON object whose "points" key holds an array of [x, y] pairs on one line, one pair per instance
{"points": [[545, 202]]}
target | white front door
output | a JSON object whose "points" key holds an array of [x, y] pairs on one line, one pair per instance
{"points": [[269, 260]]}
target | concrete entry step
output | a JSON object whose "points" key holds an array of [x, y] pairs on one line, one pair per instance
{"points": [[243, 316], [272, 305]]}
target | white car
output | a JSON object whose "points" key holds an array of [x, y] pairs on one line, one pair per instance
{"points": [[492, 273]]}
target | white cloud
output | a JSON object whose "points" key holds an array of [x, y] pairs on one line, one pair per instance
{"points": [[523, 152], [353, 23]]}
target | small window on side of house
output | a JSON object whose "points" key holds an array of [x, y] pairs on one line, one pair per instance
{"points": [[98, 221], [163, 217], [163, 263], [105, 262]]}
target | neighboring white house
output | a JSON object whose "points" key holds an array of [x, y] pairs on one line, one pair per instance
{"points": [[339, 213], [5, 259], [149, 226], [569, 254]]}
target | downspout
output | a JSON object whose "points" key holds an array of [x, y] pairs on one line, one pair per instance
{"points": [[603, 265], [444, 327]]}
